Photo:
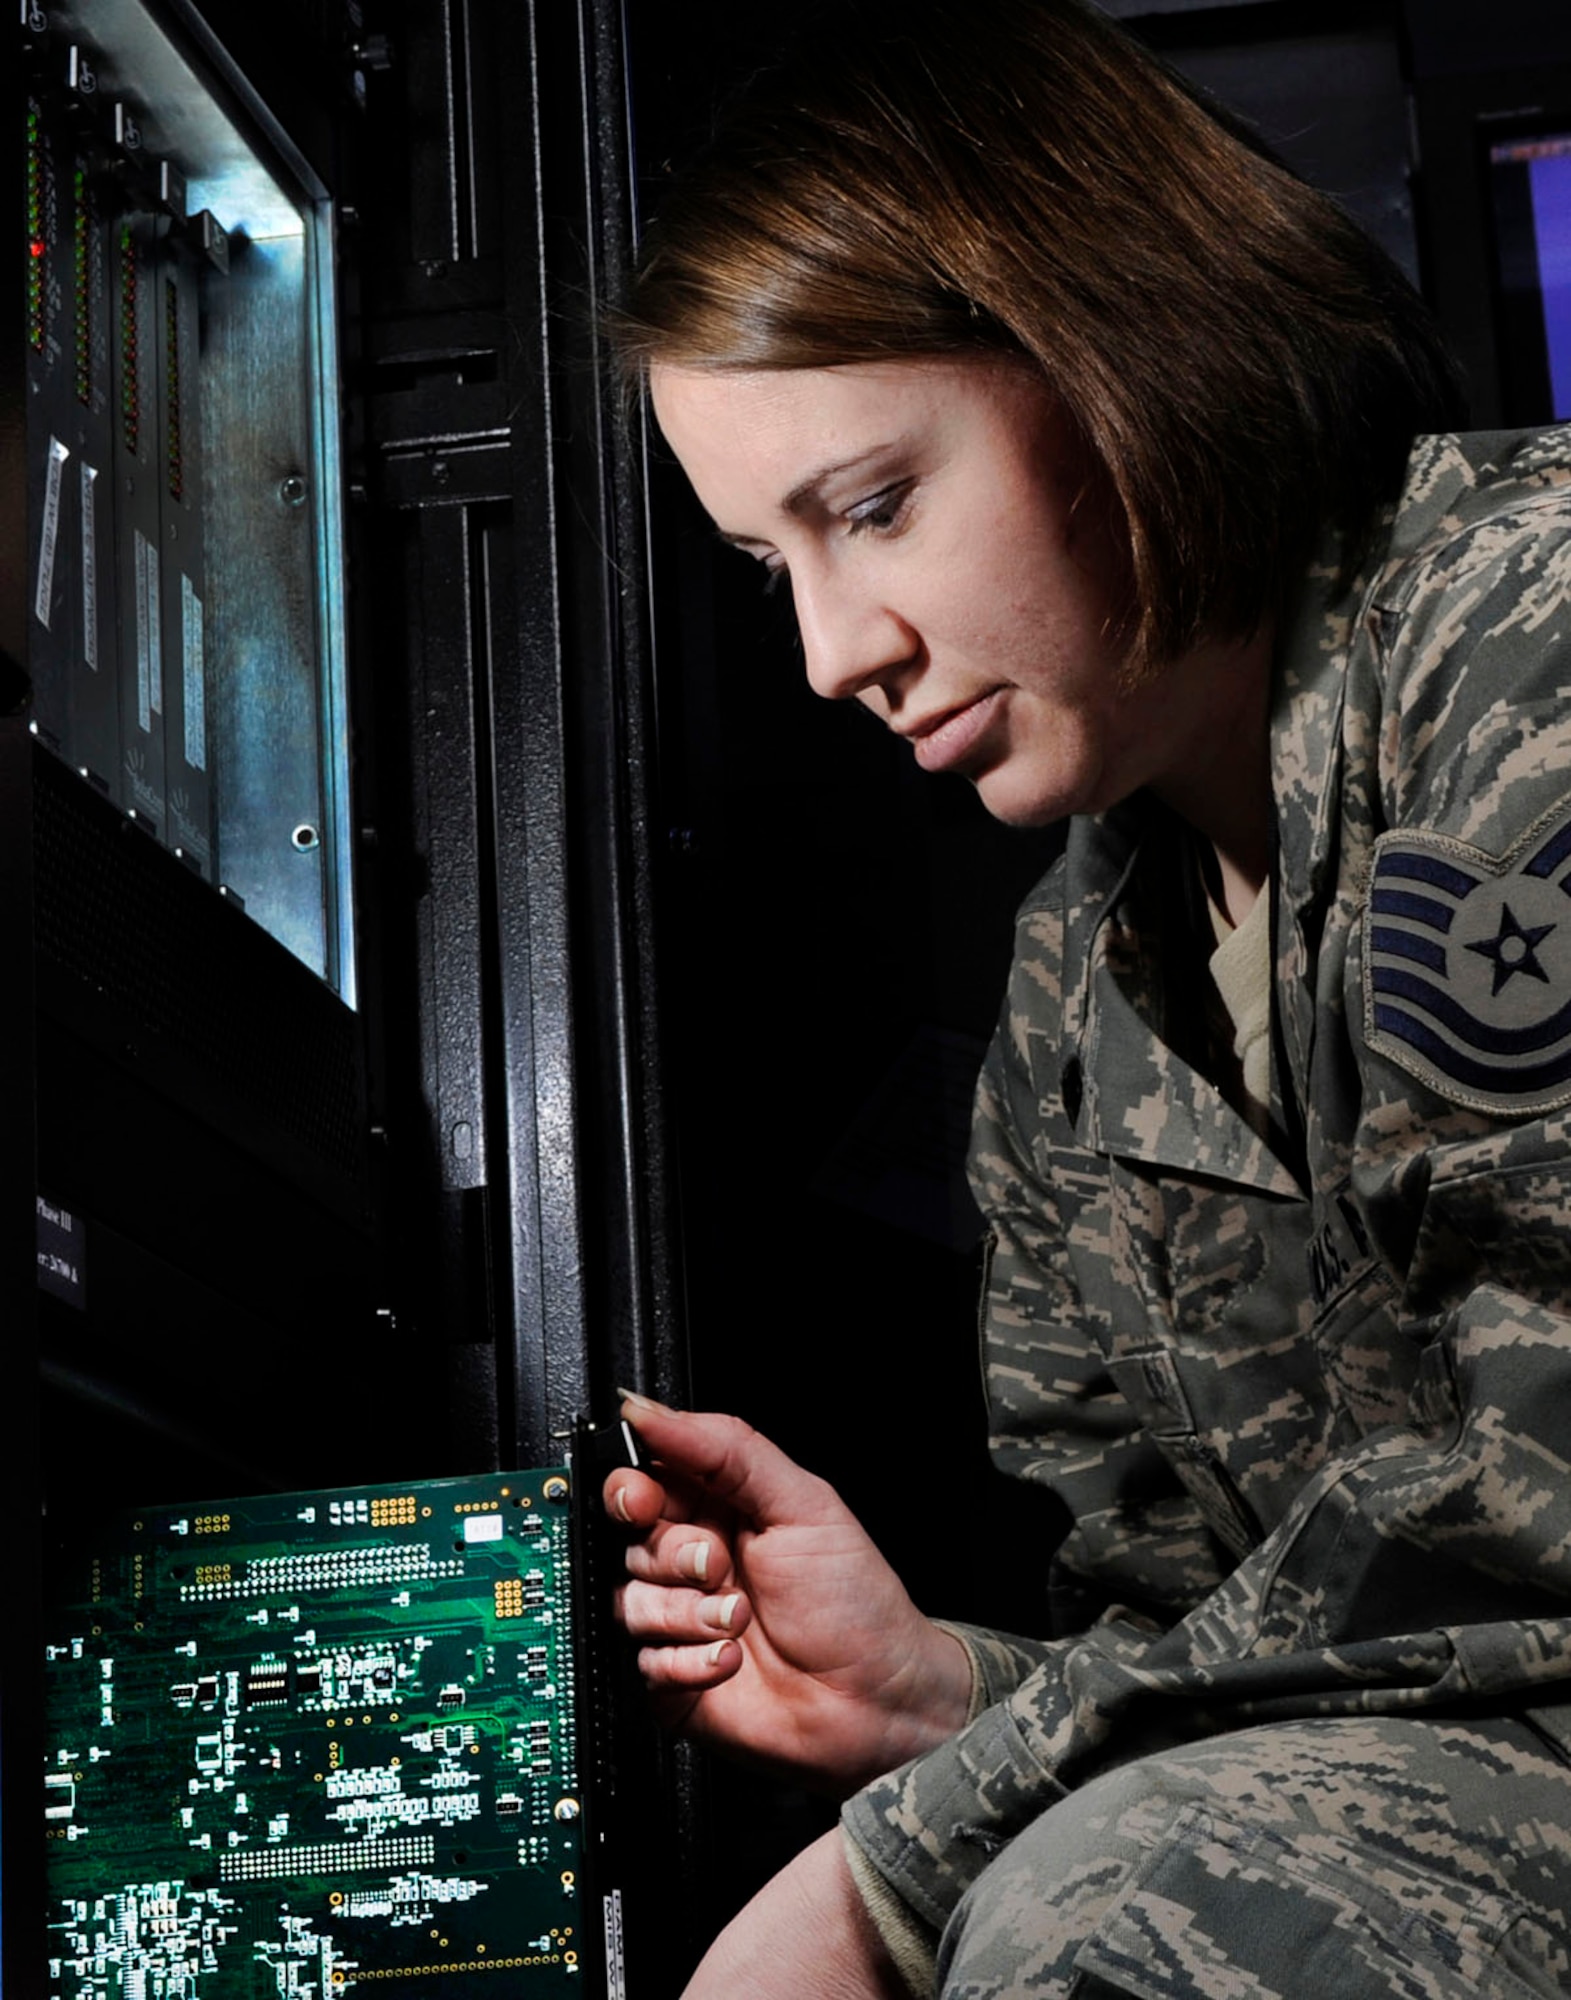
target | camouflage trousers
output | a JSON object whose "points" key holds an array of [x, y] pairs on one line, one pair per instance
{"points": [[1319, 1860]]}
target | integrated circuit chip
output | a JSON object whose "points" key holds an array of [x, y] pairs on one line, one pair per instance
{"points": [[317, 1741]]}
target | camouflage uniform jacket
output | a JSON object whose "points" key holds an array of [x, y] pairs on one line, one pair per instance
{"points": [[1307, 1397]]}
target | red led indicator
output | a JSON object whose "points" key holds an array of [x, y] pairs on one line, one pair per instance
{"points": [[36, 248]]}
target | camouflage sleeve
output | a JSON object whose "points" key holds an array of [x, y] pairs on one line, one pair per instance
{"points": [[1000, 1661]]}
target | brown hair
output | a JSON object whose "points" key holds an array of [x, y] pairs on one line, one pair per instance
{"points": [[1020, 177]]}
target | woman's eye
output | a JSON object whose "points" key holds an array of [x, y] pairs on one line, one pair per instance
{"points": [[880, 510], [775, 573]]}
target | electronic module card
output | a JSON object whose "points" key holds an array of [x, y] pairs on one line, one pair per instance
{"points": [[316, 1742]]}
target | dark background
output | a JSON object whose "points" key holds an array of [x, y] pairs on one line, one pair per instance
{"points": [[705, 963]]}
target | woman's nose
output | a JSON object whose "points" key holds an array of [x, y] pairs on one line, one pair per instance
{"points": [[849, 643]]}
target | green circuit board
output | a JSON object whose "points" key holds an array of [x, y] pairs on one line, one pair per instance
{"points": [[313, 1742]]}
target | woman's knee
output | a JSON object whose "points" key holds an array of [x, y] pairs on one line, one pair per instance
{"points": [[1286, 1860], [1020, 1928]]}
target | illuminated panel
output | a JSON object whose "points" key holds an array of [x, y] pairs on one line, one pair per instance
{"points": [[186, 642]]}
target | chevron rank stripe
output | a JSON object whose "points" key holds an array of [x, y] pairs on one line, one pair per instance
{"points": [[1467, 966]]}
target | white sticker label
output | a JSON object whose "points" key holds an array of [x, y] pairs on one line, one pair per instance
{"points": [[483, 1528], [194, 676], [90, 565], [49, 537], [615, 1962], [149, 635]]}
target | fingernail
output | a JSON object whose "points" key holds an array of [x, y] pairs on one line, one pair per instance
{"points": [[716, 1650], [728, 1609], [644, 1402], [620, 1504], [695, 1560]]}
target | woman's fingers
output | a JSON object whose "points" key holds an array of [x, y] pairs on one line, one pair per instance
{"points": [[677, 1552], [730, 1462], [633, 1498], [669, 1551], [689, 1617], [691, 1667], [708, 1463]]}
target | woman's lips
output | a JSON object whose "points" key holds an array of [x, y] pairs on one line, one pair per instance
{"points": [[943, 744]]}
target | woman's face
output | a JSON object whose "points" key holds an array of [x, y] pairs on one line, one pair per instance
{"points": [[951, 564]]}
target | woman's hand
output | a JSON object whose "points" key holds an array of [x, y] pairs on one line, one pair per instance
{"points": [[768, 1623]]}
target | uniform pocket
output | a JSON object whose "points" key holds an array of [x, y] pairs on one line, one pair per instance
{"points": [[1225, 1912], [1152, 1386]]}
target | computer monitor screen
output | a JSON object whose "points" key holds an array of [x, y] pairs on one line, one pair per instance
{"points": [[1530, 187]]}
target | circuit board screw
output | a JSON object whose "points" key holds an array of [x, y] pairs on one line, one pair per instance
{"points": [[567, 1808], [555, 1488]]}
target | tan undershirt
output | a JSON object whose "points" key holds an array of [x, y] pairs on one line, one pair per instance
{"points": [[1241, 970]]}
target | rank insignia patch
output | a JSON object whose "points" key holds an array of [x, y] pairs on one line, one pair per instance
{"points": [[1467, 966]]}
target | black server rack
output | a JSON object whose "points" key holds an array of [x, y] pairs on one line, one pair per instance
{"points": [[333, 1135]]}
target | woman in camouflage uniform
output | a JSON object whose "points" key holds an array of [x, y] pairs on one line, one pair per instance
{"points": [[1086, 437]]}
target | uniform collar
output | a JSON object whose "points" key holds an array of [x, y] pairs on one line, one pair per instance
{"points": [[1306, 734], [1308, 748], [1139, 1100]]}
